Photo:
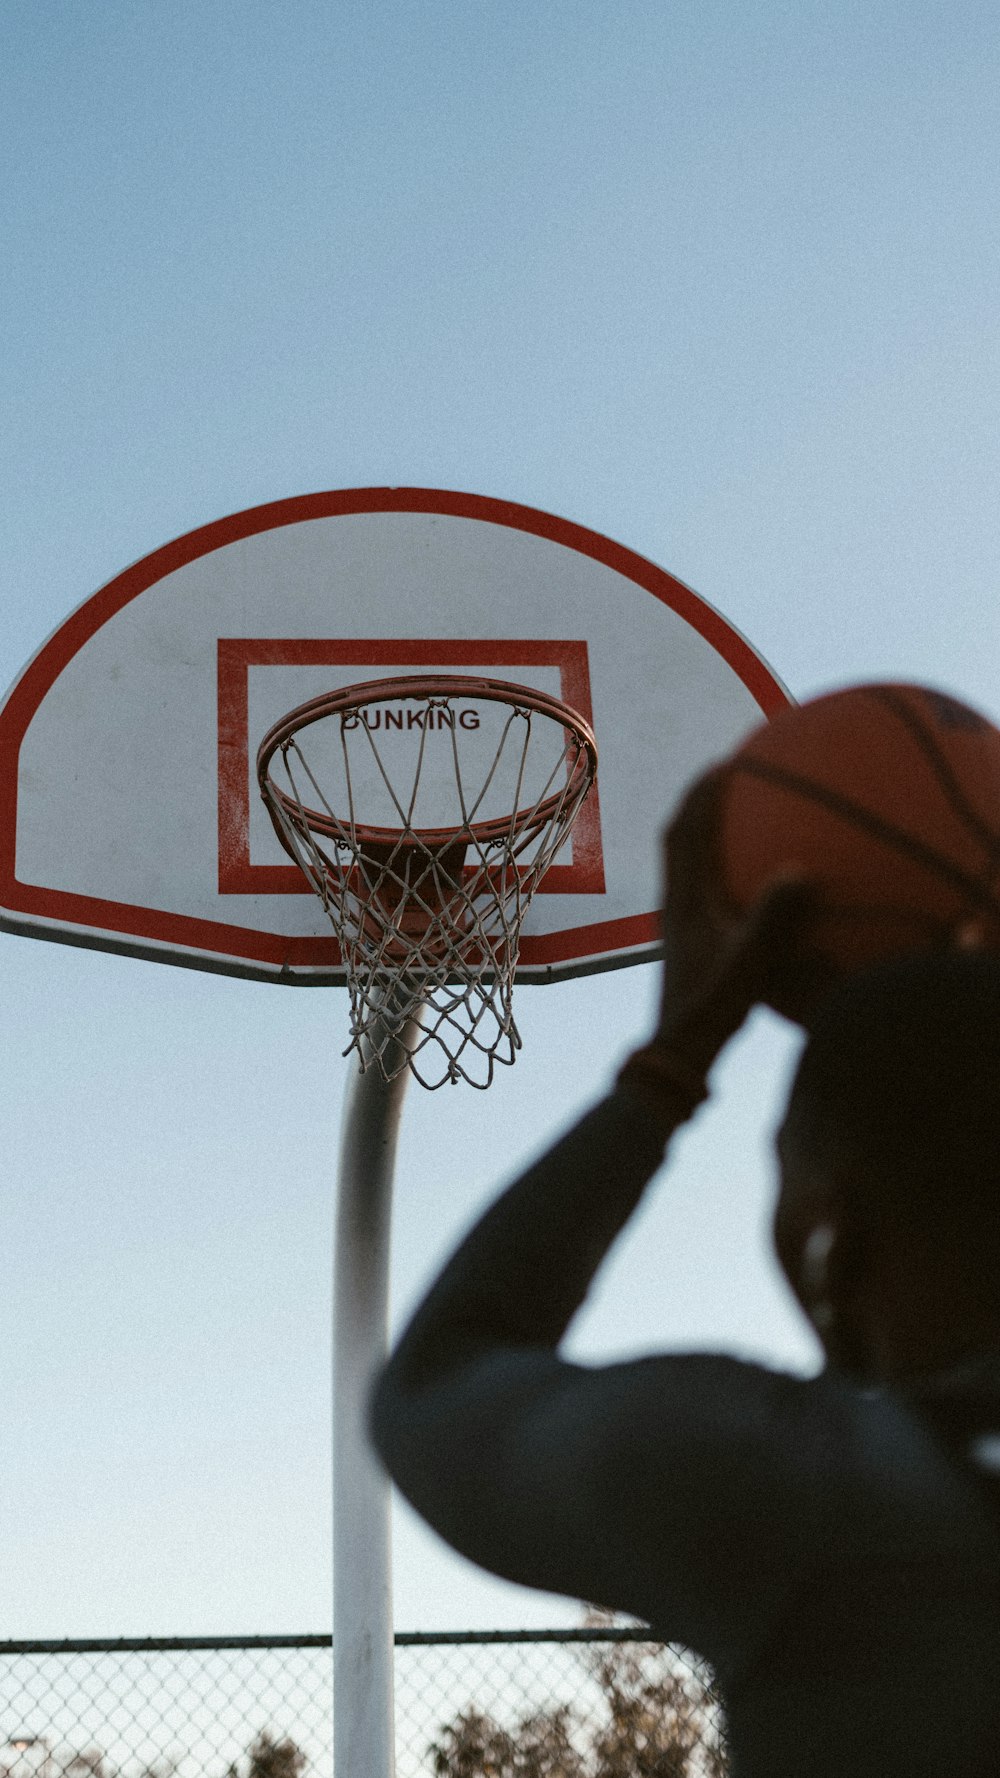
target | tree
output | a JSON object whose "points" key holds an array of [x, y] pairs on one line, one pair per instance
{"points": [[659, 1719], [661, 1722], [268, 1758], [94, 1764], [540, 1746]]}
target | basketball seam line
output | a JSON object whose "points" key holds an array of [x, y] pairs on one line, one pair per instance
{"points": [[942, 769], [873, 824]]}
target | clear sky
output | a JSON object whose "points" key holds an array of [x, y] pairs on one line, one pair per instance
{"points": [[720, 281]]}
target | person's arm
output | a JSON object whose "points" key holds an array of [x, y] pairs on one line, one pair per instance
{"points": [[483, 1427], [544, 1471], [520, 1277]]}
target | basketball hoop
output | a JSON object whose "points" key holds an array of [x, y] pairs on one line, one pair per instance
{"points": [[391, 822]]}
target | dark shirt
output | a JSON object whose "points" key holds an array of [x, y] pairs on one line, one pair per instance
{"points": [[833, 1551]]}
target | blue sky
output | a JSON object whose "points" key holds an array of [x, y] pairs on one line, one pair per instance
{"points": [[719, 281]]}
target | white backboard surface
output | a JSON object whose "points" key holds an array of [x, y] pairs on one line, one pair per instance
{"points": [[130, 817]]}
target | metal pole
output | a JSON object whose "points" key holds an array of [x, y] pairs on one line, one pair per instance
{"points": [[363, 1729]]}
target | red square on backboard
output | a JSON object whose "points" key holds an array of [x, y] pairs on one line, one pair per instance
{"points": [[240, 875]]}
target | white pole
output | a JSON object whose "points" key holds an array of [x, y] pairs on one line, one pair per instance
{"points": [[363, 1726]]}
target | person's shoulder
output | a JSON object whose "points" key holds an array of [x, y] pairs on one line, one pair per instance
{"points": [[875, 1457], [848, 1458], [737, 1406]]}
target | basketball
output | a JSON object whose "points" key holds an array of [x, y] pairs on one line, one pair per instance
{"points": [[887, 797]]}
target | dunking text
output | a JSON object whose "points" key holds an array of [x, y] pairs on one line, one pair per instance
{"points": [[386, 718]]}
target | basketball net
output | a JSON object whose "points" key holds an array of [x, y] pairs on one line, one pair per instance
{"points": [[428, 919]]}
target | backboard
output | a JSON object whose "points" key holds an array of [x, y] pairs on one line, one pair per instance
{"points": [[130, 817]]}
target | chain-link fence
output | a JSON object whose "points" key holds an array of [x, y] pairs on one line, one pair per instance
{"points": [[553, 1703]]}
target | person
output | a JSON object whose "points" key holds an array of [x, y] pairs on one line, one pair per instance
{"points": [[831, 1545]]}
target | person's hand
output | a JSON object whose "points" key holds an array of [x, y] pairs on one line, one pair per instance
{"points": [[719, 962]]}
